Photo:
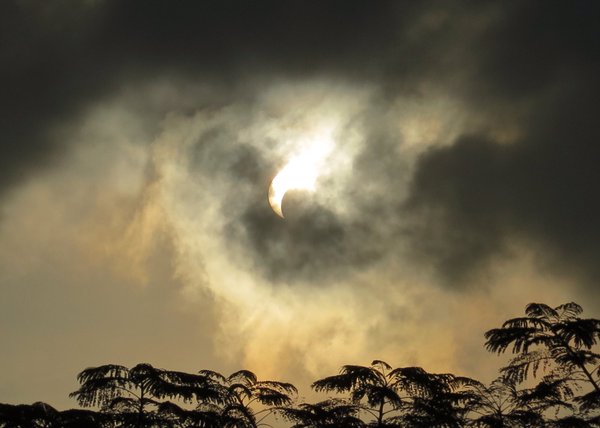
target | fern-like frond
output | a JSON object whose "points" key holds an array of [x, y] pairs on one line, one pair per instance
{"points": [[385, 394], [379, 363], [105, 371], [332, 413], [541, 310], [272, 397], [236, 415], [121, 404], [589, 401], [243, 376], [213, 375], [240, 390], [498, 340], [522, 365], [350, 377], [96, 391], [284, 387], [583, 333], [418, 382], [569, 310]]}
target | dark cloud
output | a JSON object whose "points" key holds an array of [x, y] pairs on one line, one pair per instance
{"points": [[311, 244], [59, 57], [473, 199], [529, 49], [44, 80], [532, 65]]}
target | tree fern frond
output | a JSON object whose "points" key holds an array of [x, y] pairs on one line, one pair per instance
{"points": [[341, 383], [240, 390], [108, 370], [272, 397], [382, 364], [237, 414], [569, 310], [279, 386], [121, 404], [582, 332], [244, 376], [541, 310], [589, 401], [213, 375], [521, 366], [528, 322]]}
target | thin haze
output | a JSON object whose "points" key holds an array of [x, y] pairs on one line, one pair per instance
{"points": [[139, 139]]}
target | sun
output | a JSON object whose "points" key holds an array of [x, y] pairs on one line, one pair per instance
{"points": [[300, 173]]}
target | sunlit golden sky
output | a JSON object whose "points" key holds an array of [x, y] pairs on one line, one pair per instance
{"points": [[453, 179]]}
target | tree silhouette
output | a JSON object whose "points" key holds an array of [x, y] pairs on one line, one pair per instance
{"points": [[372, 388], [249, 401], [133, 395], [434, 400], [332, 413], [552, 381], [503, 405], [42, 415], [79, 418], [24, 415], [205, 415], [410, 395], [559, 343]]}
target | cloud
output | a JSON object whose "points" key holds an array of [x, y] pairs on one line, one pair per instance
{"points": [[62, 59], [59, 58], [139, 139], [87, 271], [473, 199]]}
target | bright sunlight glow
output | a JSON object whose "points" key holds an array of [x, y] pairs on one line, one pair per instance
{"points": [[300, 173]]}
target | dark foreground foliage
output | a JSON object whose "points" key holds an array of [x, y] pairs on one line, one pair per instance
{"points": [[553, 380]]}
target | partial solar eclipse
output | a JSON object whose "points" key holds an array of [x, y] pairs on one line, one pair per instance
{"points": [[300, 173]]}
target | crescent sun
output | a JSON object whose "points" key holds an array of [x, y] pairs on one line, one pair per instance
{"points": [[299, 174], [275, 199]]}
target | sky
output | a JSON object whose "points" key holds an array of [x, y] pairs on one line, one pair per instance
{"points": [[457, 182]]}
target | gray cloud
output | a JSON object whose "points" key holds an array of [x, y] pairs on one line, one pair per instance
{"points": [[475, 197], [61, 57], [139, 139]]}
